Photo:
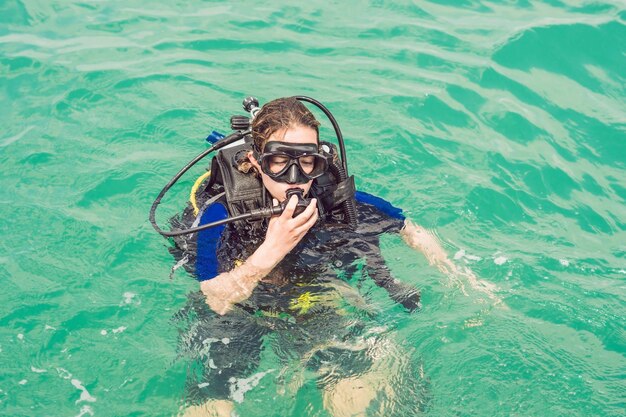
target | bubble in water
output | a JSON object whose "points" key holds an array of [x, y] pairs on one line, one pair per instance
{"points": [[119, 329]]}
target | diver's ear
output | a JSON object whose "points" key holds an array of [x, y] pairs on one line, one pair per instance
{"points": [[253, 161]]}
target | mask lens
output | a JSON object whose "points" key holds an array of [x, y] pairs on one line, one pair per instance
{"points": [[307, 163], [283, 160], [277, 163]]}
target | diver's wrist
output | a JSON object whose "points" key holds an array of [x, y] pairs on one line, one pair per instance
{"points": [[264, 259]]}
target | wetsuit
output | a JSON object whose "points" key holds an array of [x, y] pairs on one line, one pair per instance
{"points": [[307, 305]]}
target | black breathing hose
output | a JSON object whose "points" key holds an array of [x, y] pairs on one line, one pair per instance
{"points": [[251, 215], [348, 206], [342, 148], [341, 171], [224, 142]]}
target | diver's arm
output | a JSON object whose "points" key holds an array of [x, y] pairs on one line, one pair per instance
{"points": [[237, 285], [400, 292], [377, 216], [283, 234], [424, 241]]}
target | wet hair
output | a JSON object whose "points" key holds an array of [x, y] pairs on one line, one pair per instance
{"points": [[282, 113]]}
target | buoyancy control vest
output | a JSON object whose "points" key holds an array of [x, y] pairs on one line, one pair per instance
{"points": [[245, 192], [334, 190]]}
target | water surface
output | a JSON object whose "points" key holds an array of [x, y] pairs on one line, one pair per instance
{"points": [[500, 125]]}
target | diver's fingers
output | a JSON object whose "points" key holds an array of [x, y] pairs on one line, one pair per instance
{"points": [[309, 223], [303, 217], [290, 208]]}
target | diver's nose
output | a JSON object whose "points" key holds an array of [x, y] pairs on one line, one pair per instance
{"points": [[292, 174]]}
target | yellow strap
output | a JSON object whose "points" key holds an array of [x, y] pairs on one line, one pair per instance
{"points": [[194, 189]]}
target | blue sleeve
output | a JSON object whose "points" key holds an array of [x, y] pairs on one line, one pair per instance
{"points": [[208, 241], [382, 205]]}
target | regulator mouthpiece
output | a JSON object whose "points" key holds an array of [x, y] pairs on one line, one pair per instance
{"points": [[302, 204]]}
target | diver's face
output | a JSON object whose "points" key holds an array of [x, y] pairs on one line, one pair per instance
{"points": [[296, 134]]}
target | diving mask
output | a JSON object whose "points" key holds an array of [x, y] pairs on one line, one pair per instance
{"points": [[291, 163]]}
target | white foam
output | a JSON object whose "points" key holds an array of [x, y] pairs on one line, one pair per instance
{"points": [[209, 340], [37, 370], [186, 257], [128, 298], [119, 329], [64, 373], [461, 254], [206, 345], [103, 332], [84, 395], [500, 260], [564, 262], [204, 384], [48, 327], [23, 382], [239, 387], [85, 409], [20, 336], [7, 141]]}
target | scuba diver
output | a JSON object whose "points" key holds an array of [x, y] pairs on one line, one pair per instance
{"points": [[279, 238]]}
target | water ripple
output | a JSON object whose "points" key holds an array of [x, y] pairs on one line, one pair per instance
{"points": [[503, 122]]}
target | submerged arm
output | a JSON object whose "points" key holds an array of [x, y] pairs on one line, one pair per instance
{"points": [[379, 216], [424, 241], [237, 285], [400, 292], [392, 219]]}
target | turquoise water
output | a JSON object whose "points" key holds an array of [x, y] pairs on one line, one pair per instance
{"points": [[500, 125]]}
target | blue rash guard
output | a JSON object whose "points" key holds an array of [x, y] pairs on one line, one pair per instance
{"points": [[208, 241]]}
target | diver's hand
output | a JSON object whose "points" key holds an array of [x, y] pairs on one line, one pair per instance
{"points": [[283, 233], [404, 294]]}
